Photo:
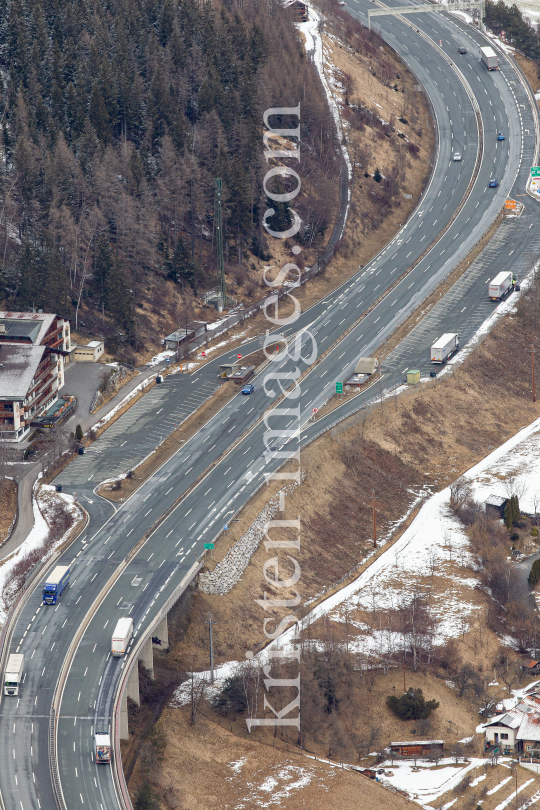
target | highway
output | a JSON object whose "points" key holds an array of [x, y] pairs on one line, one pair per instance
{"points": [[44, 633]]}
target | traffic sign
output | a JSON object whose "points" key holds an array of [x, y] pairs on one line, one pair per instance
{"points": [[512, 204], [339, 388], [314, 410], [208, 546], [535, 171], [203, 354], [239, 356]]}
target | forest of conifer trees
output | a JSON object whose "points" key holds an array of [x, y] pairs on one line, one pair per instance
{"points": [[117, 115]]}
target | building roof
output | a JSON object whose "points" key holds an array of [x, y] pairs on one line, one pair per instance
{"points": [[32, 325], [496, 500], [419, 742], [93, 344], [510, 720], [18, 366], [529, 728], [531, 664]]}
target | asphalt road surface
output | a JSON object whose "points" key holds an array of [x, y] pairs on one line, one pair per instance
{"points": [[44, 633]]}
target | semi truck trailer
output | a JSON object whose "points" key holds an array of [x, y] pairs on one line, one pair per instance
{"points": [[489, 58], [56, 584], [121, 636], [14, 674], [501, 285], [444, 347], [102, 747]]}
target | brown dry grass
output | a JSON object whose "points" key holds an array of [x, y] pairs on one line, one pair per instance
{"points": [[8, 506], [530, 69], [470, 796], [197, 774]]}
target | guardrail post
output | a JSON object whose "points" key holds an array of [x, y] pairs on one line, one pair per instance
{"points": [[147, 656], [162, 633]]}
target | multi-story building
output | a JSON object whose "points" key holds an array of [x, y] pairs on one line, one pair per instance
{"points": [[32, 351]]}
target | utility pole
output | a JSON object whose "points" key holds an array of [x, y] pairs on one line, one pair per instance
{"points": [[374, 519], [533, 382], [210, 623], [218, 223]]}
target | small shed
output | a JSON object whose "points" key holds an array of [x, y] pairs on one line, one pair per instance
{"points": [[416, 748], [366, 365], [227, 369], [413, 377], [531, 667], [193, 330], [89, 353], [236, 373], [495, 507]]}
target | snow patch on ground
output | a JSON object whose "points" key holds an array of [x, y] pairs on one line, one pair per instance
{"points": [[45, 506], [160, 358], [429, 782]]}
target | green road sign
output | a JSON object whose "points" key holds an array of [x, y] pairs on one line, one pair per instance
{"points": [[208, 546], [339, 388], [535, 171]]}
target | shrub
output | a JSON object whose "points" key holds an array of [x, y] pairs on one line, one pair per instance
{"points": [[514, 536], [412, 705], [79, 433], [534, 531], [232, 698], [534, 574], [377, 176], [146, 798]]}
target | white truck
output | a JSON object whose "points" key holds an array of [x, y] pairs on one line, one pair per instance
{"points": [[102, 747], [14, 674], [489, 58], [121, 636], [500, 286], [444, 347]]}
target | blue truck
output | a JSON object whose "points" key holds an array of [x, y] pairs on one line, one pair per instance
{"points": [[56, 584]]}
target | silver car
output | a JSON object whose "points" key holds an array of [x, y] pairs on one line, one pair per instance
{"points": [[457, 156]]}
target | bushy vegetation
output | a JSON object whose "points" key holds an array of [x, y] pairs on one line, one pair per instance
{"points": [[511, 512], [116, 118], [534, 575], [517, 29], [412, 705]]}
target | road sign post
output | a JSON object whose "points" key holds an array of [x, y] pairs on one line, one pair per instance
{"points": [[209, 547], [339, 388], [535, 171]]}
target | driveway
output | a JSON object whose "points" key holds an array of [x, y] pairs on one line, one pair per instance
{"points": [[82, 381]]}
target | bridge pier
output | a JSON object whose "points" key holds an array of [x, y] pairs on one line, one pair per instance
{"points": [[124, 730], [147, 657], [162, 633], [133, 684]]}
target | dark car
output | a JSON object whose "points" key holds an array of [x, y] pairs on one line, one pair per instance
{"points": [[462, 50], [493, 183], [500, 136], [248, 389]]}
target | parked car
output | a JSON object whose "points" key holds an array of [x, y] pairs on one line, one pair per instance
{"points": [[248, 389], [457, 156], [462, 49], [500, 136], [493, 183]]}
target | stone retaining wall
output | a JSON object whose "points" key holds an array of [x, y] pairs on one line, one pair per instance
{"points": [[229, 571]]}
